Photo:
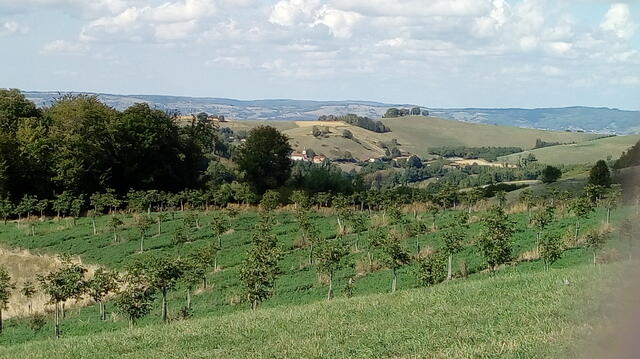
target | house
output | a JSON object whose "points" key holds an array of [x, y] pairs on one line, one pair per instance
{"points": [[297, 156], [319, 159]]}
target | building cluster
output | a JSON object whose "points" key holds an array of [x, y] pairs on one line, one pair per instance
{"points": [[302, 156]]}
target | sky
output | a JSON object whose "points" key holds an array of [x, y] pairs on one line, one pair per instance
{"points": [[434, 53]]}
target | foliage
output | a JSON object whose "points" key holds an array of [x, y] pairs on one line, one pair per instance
{"points": [[495, 239], [487, 153], [355, 120], [600, 174], [551, 248], [432, 269], [550, 174]]}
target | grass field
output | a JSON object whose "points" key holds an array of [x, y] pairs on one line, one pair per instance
{"points": [[298, 283], [415, 134], [514, 314], [580, 153]]}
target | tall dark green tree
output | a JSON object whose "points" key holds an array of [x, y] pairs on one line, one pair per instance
{"points": [[600, 174], [264, 158]]}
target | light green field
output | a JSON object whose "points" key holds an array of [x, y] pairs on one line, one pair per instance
{"points": [[515, 314], [415, 134], [580, 153]]}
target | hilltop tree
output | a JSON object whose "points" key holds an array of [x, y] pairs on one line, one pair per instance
{"points": [[264, 158], [6, 286], [600, 174], [98, 287], [550, 174], [136, 298], [260, 267], [63, 284], [551, 249], [28, 290], [330, 255], [394, 255], [431, 270], [495, 238]]}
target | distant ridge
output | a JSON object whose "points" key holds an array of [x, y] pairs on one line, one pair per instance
{"points": [[577, 118]]}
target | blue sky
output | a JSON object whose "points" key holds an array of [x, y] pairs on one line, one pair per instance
{"points": [[437, 53]]}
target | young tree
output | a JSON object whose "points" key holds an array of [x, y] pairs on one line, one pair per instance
{"points": [[470, 198], [6, 286], [62, 204], [501, 197], [600, 174], [540, 220], [529, 200], [582, 207], [163, 274], [114, 224], [270, 201], [495, 239], [395, 256], [453, 237], [205, 259], [6, 209], [193, 272], [42, 206], [551, 248], [359, 223], [76, 207], [160, 218], [260, 268], [264, 158], [330, 255], [143, 223], [136, 298], [431, 270], [28, 290], [300, 199], [220, 224], [612, 196], [98, 287], [63, 284], [596, 241]]}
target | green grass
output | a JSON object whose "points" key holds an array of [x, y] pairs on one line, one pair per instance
{"points": [[297, 285], [514, 314], [581, 152]]}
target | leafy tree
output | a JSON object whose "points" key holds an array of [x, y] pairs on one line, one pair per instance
{"points": [[540, 220], [550, 174], [582, 207], [115, 223], [220, 224], [501, 197], [432, 269], [193, 271], [359, 223], [551, 248], [612, 196], [470, 198], [394, 255], [260, 268], [453, 237], [143, 223], [300, 199], [495, 239], [28, 290], [6, 286], [163, 274], [529, 200], [205, 259], [270, 200], [98, 287], [62, 203], [330, 255], [76, 208], [136, 298], [6, 209], [596, 241], [63, 284], [264, 158], [600, 174]]}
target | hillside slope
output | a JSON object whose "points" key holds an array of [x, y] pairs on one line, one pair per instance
{"points": [[510, 315], [415, 134]]}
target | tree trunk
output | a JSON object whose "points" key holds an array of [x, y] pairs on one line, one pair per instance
{"points": [[204, 282], [594, 257], [575, 237], [159, 226], [142, 243], [357, 240], [311, 254], [254, 304], [64, 312], [188, 298], [33, 230], [219, 241], [93, 223], [330, 292], [394, 281], [417, 245], [165, 306], [30, 306], [608, 215], [115, 236], [57, 322], [130, 323], [449, 267], [538, 242], [1, 326]]}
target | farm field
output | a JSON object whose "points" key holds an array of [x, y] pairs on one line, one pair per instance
{"points": [[298, 283], [581, 152], [517, 313], [415, 134]]}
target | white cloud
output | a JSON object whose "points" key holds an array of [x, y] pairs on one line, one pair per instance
{"points": [[339, 22], [291, 12], [65, 47], [497, 18], [11, 28], [618, 21]]}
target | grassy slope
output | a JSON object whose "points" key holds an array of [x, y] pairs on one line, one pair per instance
{"points": [[415, 134], [580, 153], [298, 283], [515, 314]]}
